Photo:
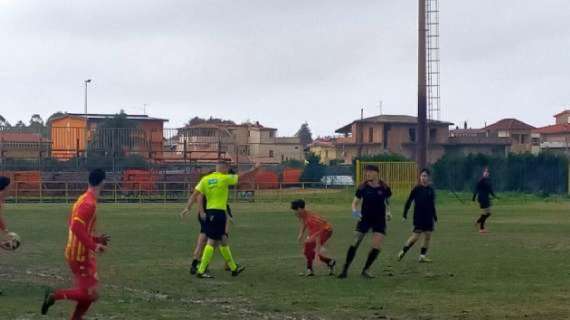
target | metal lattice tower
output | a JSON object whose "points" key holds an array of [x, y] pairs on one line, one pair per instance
{"points": [[433, 60]]}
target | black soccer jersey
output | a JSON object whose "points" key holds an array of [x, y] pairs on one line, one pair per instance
{"points": [[373, 201], [483, 192], [424, 205]]}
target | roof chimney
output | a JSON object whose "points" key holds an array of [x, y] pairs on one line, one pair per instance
{"points": [[465, 125]]}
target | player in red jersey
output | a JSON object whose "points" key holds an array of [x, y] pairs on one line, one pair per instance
{"points": [[82, 244], [318, 231]]}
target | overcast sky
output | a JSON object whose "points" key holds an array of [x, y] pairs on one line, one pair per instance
{"points": [[281, 62]]}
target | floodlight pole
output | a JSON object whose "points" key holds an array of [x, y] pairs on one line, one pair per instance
{"points": [[421, 151]]}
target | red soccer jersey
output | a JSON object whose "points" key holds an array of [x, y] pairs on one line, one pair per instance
{"points": [[81, 242], [315, 223]]}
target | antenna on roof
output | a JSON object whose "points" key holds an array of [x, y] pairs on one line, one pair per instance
{"points": [[381, 105], [361, 113]]}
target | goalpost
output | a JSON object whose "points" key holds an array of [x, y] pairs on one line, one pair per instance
{"points": [[400, 176]]}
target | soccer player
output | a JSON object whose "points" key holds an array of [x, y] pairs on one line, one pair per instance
{"points": [[4, 184], [319, 231], [215, 189], [373, 194], [82, 244], [483, 193], [425, 216]]}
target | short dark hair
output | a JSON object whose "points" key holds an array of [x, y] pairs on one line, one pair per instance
{"points": [[298, 204], [371, 167], [426, 171], [4, 182], [96, 177]]}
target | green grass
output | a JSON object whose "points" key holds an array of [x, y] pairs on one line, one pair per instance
{"points": [[521, 270]]}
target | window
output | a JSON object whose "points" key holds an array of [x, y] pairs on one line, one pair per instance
{"points": [[271, 154], [271, 134], [412, 134], [370, 135]]}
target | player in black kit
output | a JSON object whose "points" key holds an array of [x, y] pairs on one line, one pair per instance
{"points": [[373, 194], [483, 193], [425, 216]]}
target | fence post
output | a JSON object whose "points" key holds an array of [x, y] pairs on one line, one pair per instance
{"points": [[41, 191], [17, 192], [164, 192], [115, 191], [66, 192]]}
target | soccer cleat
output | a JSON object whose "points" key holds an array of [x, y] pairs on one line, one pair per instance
{"points": [[343, 275], [483, 231], [332, 267], [424, 259], [193, 270], [401, 255], [309, 273], [237, 271], [204, 275], [366, 275], [48, 301]]}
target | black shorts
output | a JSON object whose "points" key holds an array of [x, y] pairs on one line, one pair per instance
{"points": [[423, 228], [364, 226], [215, 224], [202, 224]]}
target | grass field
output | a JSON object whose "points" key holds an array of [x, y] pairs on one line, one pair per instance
{"points": [[521, 270]]}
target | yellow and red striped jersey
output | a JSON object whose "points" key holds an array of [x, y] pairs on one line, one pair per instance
{"points": [[80, 241]]}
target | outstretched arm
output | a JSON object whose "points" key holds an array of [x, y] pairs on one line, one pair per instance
{"points": [[250, 172]]}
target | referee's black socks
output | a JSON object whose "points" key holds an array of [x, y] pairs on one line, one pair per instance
{"points": [[349, 258], [371, 258]]}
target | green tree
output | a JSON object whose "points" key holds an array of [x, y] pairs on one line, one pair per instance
{"points": [[314, 171], [305, 135], [116, 136]]}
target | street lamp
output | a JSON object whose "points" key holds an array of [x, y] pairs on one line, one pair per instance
{"points": [[86, 82]]}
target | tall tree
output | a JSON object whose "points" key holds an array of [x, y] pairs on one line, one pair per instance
{"points": [[53, 116], [305, 135], [4, 123], [116, 136], [36, 124]]}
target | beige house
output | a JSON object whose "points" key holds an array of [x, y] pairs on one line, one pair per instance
{"points": [[390, 134], [516, 131], [246, 143]]}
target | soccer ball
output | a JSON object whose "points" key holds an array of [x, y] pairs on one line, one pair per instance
{"points": [[11, 243]]}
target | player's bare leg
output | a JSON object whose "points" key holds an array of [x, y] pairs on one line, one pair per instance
{"points": [[409, 244], [377, 242]]}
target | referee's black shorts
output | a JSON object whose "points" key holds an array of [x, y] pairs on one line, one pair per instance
{"points": [[376, 226], [215, 224]]}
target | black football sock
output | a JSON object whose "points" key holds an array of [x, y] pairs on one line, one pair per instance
{"points": [[195, 263], [371, 258], [424, 251], [349, 258]]}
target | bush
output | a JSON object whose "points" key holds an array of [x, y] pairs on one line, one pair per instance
{"points": [[545, 173]]}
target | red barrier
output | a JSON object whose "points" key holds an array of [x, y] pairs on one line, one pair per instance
{"points": [[292, 176], [134, 180]]}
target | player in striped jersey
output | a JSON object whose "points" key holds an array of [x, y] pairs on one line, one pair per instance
{"points": [[82, 244]]}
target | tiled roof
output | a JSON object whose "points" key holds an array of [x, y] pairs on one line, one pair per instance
{"points": [[21, 137], [509, 124], [553, 129], [391, 118]]}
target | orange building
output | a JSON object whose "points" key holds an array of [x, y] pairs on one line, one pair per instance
{"points": [[73, 134]]}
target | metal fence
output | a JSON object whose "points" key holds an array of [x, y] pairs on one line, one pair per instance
{"points": [[169, 192]]}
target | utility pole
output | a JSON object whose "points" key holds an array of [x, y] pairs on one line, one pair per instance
{"points": [[421, 151]]}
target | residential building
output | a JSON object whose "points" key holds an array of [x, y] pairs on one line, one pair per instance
{"points": [[555, 137], [518, 132], [243, 143], [74, 134], [390, 134], [326, 149]]}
